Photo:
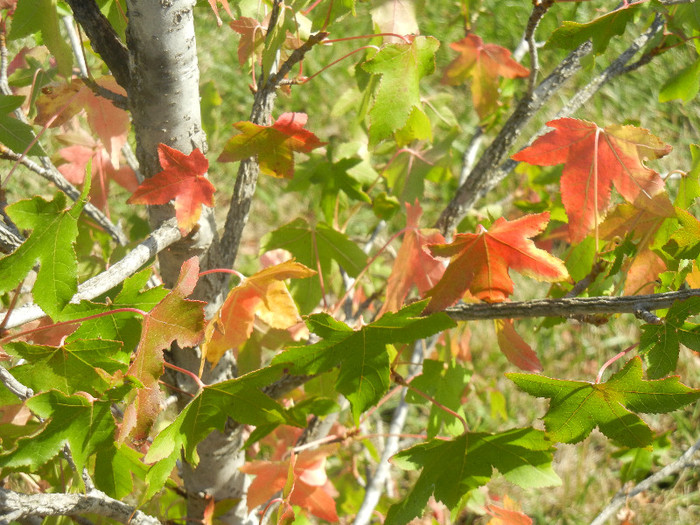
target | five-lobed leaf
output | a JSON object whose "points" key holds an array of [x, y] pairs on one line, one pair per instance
{"points": [[401, 67], [51, 245], [450, 469], [263, 295], [480, 261], [594, 160], [483, 64], [274, 145], [577, 407], [362, 355], [183, 180]]}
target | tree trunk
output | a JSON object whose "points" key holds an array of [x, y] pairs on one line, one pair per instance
{"points": [[164, 103]]}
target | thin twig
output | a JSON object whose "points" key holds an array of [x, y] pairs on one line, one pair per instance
{"points": [[569, 307], [622, 496], [538, 11]]}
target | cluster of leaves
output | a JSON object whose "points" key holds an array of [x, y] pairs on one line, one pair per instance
{"points": [[96, 367]]}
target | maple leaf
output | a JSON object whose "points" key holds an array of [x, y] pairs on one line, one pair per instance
{"points": [[87, 150], [361, 355], [480, 261], [577, 407], [483, 64], [413, 266], [184, 180], [174, 319], [14, 134], [107, 121], [594, 160], [401, 67], [264, 295], [450, 469], [273, 145], [252, 37], [509, 514], [51, 244], [514, 347], [312, 490], [214, 7]]}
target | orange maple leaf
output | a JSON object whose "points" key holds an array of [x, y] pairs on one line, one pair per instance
{"points": [[312, 490], [480, 261], [252, 37], [264, 295], [183, 179], [273, 145], [509, 514], [413, 265], [594, 160], [483, 64]]}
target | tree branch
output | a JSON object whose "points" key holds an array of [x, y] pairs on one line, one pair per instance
{"points": [[15, 506], [104, 39], [167, 234], [569, 307], [623, 495]]}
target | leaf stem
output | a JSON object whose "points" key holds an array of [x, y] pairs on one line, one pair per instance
{"points": [[334, 40], [72, 321], [401, 381], [191, 375], [610, 361], [224, 270], [307, 79]]}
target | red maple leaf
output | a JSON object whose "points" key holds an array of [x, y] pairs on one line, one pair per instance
{"points": [[594, 160], [413, 265], [483, 64], [273, 145], [173, 319], [252, 37], [107, 121], [184, 180], [84, 150], [480, 261]]}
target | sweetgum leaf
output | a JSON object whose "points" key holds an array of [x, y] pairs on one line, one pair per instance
{"points": [[14, 134], [174, 319], [401, 66], [114, 468], [594, 160], [450, 469], [51, 245], [577, 407], [685, 242], [239, 399], [572, 34], [306, 243], [660, 344], [81, 365], [361, 355], [80, 420], [183, 180], [274, 145]]}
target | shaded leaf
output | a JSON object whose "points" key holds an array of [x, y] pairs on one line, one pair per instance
{"points": [[483, 64], [14, 134], [515, 348]]}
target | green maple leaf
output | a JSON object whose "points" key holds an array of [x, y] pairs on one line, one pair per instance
{"points": [[80, 420], [577, 407], [446, 384], [51, 244], [81, 365], [315, 246], [14, 134], [453, 468], [685, 242], [174, 319], [362, 355], [660, 343], [114, 468], [401, 67], [239, 399], [572, 34]]}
